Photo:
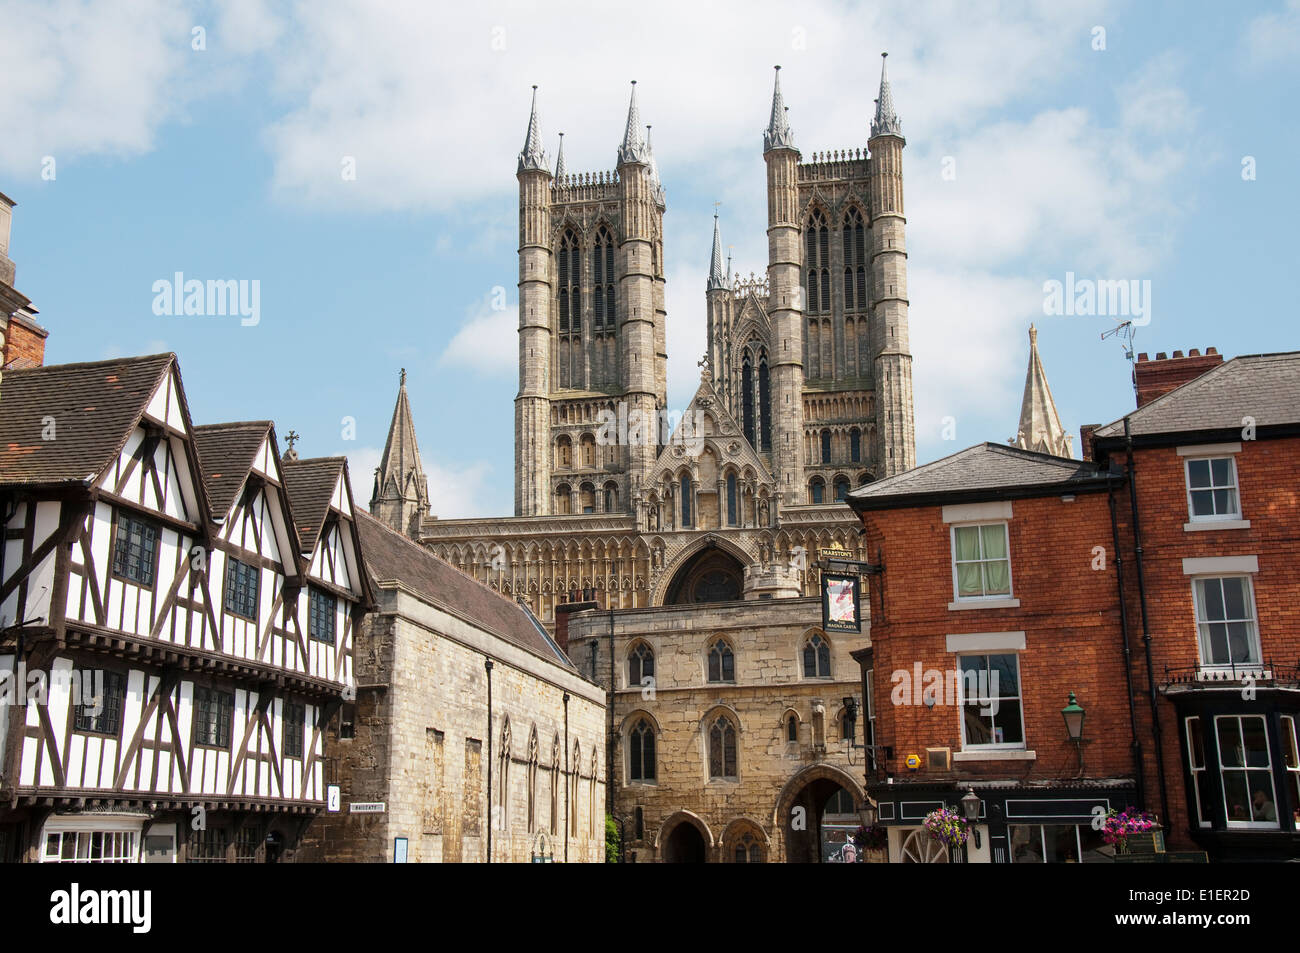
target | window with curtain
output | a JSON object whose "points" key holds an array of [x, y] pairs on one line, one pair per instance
{"points": [[722, 750], [1246, 771], [722, 662], [641, 752], [982, 565], [989, 690], [1212, 489], [1225, 620], [1291, 760]]}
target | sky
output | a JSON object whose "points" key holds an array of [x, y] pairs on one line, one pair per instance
{"points": [[358, 163]]}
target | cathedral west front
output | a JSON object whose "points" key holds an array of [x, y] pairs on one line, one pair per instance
{"points": [[705, 539]]}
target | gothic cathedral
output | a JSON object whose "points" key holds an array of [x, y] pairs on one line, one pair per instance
{"points": [[806, 388]]}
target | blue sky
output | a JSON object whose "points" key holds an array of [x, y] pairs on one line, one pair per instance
{"points": [[225, 162]]}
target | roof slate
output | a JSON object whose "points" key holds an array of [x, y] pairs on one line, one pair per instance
{"points": [[392, 556], [226, 454], [1265, 387], [985, 466], [310, 485], [94, 407]]}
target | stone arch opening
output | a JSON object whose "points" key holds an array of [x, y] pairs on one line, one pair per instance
{"points": [[711, 575], [815, 809], [684, 840]]}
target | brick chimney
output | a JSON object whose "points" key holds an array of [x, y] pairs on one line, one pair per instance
{"points": [[22, 339], [1085, 440], [584, 599], [1155, 378]]}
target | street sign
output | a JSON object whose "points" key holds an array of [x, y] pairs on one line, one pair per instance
{"points": [[367, 807], [333, 798]]}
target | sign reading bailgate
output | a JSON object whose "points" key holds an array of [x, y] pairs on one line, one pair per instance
{"points": [[367, 807]]}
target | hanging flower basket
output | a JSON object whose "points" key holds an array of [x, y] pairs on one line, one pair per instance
{"points": [[874, 837], [1120, 824], [947, 826]]}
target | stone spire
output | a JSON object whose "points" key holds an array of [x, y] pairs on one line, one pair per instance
{"points": [[886, 122], [778, 135], [401, 494], [633, 149], [1040, 425], [716, 278], [533, 157], [560, 171]]}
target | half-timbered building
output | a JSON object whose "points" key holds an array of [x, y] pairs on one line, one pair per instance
{"points": [[171, 645]]}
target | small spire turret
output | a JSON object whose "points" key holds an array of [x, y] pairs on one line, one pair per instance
{"points": [[886, 122], [560, 171], [716, 278], [778, 134], [633, 149], [533, 156]]}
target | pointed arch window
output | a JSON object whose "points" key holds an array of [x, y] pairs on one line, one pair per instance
{"points": [[791, 729], [532, 782], [855, 445], [731, 499], [555, 786], [816, 658], [573, 790], [503, 793], [764, 403], [569, 284], [602, 271], [747, 398], [722, 662], [686, 501], [817, 263], [640, 665], [855, 264], [748, 849], [722, 750], [641, 751]]}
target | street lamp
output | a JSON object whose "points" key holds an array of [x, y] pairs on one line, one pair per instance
{"points": [[970, 809], [1073, 714]]}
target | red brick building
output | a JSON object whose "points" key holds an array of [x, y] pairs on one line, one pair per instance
{"points": [[22, 340], [1213, 599], [997, 597]]}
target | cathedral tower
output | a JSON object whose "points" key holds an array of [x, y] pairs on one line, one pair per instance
{"points": [[785, 300], [401, 495], [895, 427], [591, 328], [532, 405]]}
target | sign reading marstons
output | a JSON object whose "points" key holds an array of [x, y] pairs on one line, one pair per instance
{"points": [[840, 603]]}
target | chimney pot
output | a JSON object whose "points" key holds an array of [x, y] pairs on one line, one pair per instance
{"points": [[1211, 350], [1142, 356], [1178, 354], [1194, 352], [1161, 356]]}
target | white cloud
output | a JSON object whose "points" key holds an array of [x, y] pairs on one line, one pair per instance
{"points": [[487, 342], [456, 490], [87, 78], [1274, 37]]}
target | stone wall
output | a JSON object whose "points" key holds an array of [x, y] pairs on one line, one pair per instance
{"points": [[421, 747], [774, 776]]}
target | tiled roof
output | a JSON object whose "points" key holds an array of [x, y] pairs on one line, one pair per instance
{"points": [[226, 453], [310, 485], [93, 407], [985, 466], [1264, 387], [390, 556]]}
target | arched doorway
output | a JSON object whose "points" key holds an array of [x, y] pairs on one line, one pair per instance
{"points": [[685, 845], [711, 575], [818, 812]]}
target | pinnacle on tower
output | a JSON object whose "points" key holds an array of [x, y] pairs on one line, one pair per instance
{"points": [[1040, 424], [716, 278], [778, 135], [560, 171], [533, 157], [633, 149], [886, 122]]}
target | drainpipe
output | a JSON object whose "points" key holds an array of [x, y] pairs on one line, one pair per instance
{"points": [[1146, 626], [566, 777], [609, 737], [487, 666], [1135, 746]]}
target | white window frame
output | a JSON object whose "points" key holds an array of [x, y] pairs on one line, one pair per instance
{"points": [[1200, 775], [1293, 772], [131, 828], [1042, 826], [1223, 791], [966, 746], [1254, 621], [1211, 454], [999, 597]]}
